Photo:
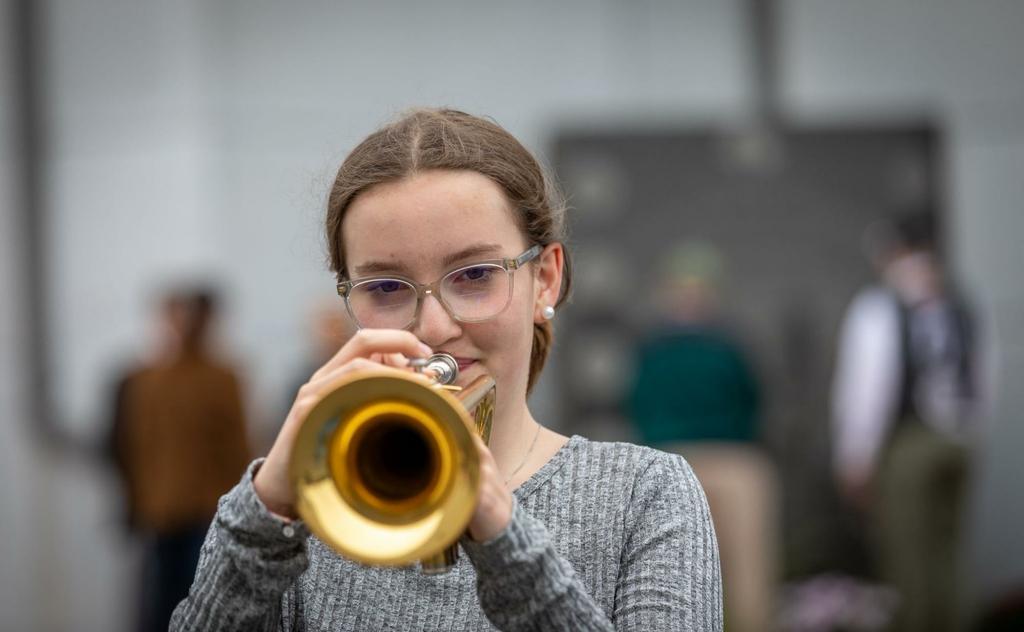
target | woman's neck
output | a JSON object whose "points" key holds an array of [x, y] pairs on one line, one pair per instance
{"points": [[520, 445], [511, 432]]}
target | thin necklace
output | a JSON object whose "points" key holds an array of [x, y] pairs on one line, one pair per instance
{"points": [[525, 456]]}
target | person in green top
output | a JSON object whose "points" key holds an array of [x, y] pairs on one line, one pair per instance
{"points": [[694, 384], [695, 394], [693, 381]]}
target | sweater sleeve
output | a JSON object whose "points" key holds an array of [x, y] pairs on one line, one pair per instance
{"points": [[669, 575], [247, 568], [523, 583]]}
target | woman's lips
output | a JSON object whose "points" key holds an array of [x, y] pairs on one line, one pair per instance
{"points": [[464, 363]]}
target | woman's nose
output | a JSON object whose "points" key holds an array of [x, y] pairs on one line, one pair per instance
{"points": [[435, 325]]}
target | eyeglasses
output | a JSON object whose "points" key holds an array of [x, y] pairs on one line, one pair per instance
{"points": [[470, 294]]}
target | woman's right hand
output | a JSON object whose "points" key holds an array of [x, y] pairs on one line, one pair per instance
{"points": [[367, 349]]}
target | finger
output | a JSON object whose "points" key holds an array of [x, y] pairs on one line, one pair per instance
{"points": [[321, 381], [397, 360], [366, 342], [486, 457], [490, 477]]}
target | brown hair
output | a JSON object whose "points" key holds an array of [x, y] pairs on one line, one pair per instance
{"points": [[425, 139]]}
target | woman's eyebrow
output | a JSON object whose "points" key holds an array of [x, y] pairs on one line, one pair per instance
{"points": [[380, 267], [476, 250]]}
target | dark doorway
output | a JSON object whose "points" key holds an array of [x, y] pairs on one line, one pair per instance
{"points": [[788, 212]]}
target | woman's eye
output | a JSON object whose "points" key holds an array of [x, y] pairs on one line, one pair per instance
{"points": [[480, 273], [385, 287]]}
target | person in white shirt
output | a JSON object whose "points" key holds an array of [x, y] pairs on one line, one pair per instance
{"points": [[905, 405]]}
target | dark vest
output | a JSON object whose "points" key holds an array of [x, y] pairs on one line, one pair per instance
{"points": [[912, 366]]}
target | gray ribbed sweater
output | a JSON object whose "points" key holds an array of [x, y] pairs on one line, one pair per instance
{"points": [[605, 536]]}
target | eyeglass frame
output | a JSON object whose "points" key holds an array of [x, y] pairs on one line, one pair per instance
{"points": [[509, 264]]}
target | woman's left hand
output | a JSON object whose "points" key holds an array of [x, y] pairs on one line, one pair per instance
{"points": [[494, 500]]}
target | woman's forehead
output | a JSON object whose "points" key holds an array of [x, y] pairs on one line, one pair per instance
{"points": [[427, 220]]}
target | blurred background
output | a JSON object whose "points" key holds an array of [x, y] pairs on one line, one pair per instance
{"points": [[730, 161]]}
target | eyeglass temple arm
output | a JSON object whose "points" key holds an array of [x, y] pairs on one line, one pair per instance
{"points": [[524, 258]]}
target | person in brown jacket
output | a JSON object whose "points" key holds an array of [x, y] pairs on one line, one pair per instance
{"points": [[179, 440]]}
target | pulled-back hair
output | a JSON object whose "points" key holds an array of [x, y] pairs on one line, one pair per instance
{"points": [[426, 139]]}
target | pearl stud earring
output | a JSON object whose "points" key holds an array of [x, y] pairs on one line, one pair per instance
{"points": [[548, 312]]}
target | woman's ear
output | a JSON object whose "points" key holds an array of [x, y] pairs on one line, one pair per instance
{"points": [[547, 280]]}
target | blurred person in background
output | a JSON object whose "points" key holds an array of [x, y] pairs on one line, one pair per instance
{"points": [[179, 440], [695, 394], [905, 406]]}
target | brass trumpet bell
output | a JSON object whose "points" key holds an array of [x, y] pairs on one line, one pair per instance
{"points": [[385, 467]]}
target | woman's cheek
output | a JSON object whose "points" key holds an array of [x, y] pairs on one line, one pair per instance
{"points": [[501, 342]]}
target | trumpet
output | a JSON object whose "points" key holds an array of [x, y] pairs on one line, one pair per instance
{"points": [[384, 465]]}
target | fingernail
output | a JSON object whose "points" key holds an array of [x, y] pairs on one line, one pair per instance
{"points": [[425, 350]]}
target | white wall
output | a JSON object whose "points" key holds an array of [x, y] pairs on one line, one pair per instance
{"points": [[131, 179], [200, 137]]}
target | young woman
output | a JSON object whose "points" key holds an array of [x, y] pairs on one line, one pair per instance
{"points": [[567, 534]]}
